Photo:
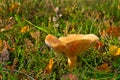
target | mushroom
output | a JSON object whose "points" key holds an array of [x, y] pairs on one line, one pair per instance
{"points": [[71, 45]]}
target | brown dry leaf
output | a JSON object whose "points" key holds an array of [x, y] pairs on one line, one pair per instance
{"points": [[10, 68], [1, 62], [113, 31], [15, 62], [28, 43], [1, 9], [6, 45], [69, 77], [5, 55], [13, 66], [1, 76], [49, 66], [10, 20], [14, 6], [104, 67], [25, 29], [100, 46], [103, 33], [29, 46], [1, 44], [9, 26], [35, 35], [107, 22]]}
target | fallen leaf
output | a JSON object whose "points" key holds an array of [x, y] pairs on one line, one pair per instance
{"points": [[6, 45], [1, 76], [10, 19], [5, 55], [29, 46], [2, 30], [113, 49], [49, 66], [103, 33], [14, 6], [118, 37], [1, 62], [35, 35], [25, 29], [15, 62], [104, 67], [1, 44], [114, 31], [10, 68], [100, 46], [29, 43], [9, 26], [107, 23], [117, 52], [13, 66], [69, 77], [1, 9], [111, 31]]}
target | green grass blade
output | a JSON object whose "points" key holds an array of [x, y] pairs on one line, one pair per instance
{"points": [[42, 29]]}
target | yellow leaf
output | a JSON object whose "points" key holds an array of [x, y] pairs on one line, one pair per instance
{"points": [[49, 66], [113, 49], [117, 53], [24, 29]]}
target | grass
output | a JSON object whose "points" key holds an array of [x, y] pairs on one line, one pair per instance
{"points": [[78, 16]]}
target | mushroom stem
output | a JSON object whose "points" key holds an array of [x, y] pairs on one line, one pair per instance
{"points": [[72, 62]]}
